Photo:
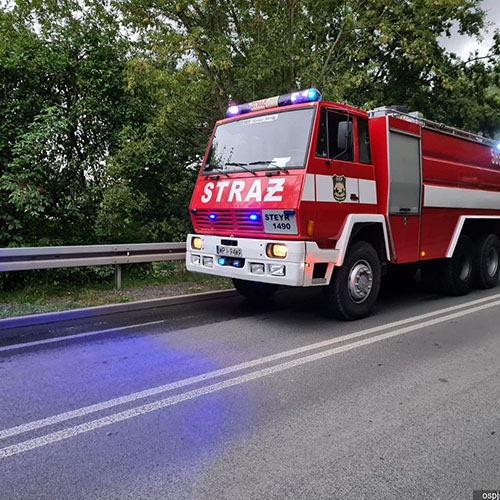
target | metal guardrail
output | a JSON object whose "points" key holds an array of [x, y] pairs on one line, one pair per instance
{"points": [[31, 258]]}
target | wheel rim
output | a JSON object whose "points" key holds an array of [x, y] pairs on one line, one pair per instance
{"points": [[465, 269], [360, 281], [492, 262]]}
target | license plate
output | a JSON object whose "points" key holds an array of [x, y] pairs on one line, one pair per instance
{"points": [[279, 222], [229, 251]]}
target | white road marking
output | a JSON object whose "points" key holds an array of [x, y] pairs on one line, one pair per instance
{"points": [[78, 336], [80, 412], [70, 432]]}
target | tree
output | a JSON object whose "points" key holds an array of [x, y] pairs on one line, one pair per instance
{"points": [[366, 52], [62, 106]]}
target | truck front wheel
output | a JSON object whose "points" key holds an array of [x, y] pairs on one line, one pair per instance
{"points": [[255, 291], [354, 287]]}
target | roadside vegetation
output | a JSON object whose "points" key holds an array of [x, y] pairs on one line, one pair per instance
{"points": [[55, 290]]}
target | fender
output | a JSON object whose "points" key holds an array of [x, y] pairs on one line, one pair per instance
{"points": [[353, 219], [459, 227]]}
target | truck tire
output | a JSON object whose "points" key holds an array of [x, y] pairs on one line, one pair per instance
{"points": [[487, 261], [255, 291], [354, 287], [457, 273]]}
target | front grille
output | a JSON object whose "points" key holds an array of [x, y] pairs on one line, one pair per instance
{"points": [[228, 220]]}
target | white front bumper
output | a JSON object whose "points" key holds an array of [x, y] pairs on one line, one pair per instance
{"points": [[299, 263]]}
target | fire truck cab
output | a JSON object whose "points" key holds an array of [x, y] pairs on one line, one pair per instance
{"points": [[296, 191]]}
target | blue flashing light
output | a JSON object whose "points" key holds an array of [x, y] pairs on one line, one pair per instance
{"points": [[312, 94], [253, 217], [222, 261], [308, 95], [238, 110], [212, 217], [237, 263], [498, 146]]}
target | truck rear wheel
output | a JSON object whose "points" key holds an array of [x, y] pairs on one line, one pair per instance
{"points": [[254, 291], [354, 287], [486, 261], [457, 273]]}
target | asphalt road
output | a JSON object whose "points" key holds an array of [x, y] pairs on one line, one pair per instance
{"points": [[221, 401]]}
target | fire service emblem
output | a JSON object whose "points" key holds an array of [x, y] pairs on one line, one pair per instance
{"points": [[339, 191]]}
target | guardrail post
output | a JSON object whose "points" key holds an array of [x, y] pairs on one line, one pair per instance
{"points": [[118, 277]]}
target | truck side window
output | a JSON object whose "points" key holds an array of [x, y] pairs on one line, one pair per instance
{"points": [[322, 144], [334, 136], [365, 154], [340, 136]]}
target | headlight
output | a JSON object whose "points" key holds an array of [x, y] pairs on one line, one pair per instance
{"points": [[196, 243], [277, 250]]}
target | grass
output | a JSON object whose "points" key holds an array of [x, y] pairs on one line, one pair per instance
{"points": [[158, 280]]}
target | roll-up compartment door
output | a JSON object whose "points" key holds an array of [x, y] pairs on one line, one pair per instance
{"points": [[405, 187], [405, 174]]}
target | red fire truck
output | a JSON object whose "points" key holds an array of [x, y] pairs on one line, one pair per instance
{"points": [[297, 191]]}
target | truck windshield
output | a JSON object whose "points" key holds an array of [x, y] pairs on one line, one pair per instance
{"points": [[267, 142]]}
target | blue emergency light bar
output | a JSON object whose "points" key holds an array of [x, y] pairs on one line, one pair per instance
{"points": [[309, 95]]}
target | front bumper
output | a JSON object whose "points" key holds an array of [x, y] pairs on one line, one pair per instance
{"points": [[298, 265]]}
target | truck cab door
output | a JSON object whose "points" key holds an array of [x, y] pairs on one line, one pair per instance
{"points": [[336, 171], [405, 193], [343, 171]]}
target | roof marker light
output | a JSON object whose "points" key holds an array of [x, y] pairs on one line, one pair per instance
{"points": [[308, 95]]}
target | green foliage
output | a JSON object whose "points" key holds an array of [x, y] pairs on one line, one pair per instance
{"points": [[365, 52], [62, 105]]}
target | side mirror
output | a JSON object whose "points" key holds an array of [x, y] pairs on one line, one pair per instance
{"points": [[344, 136]]}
